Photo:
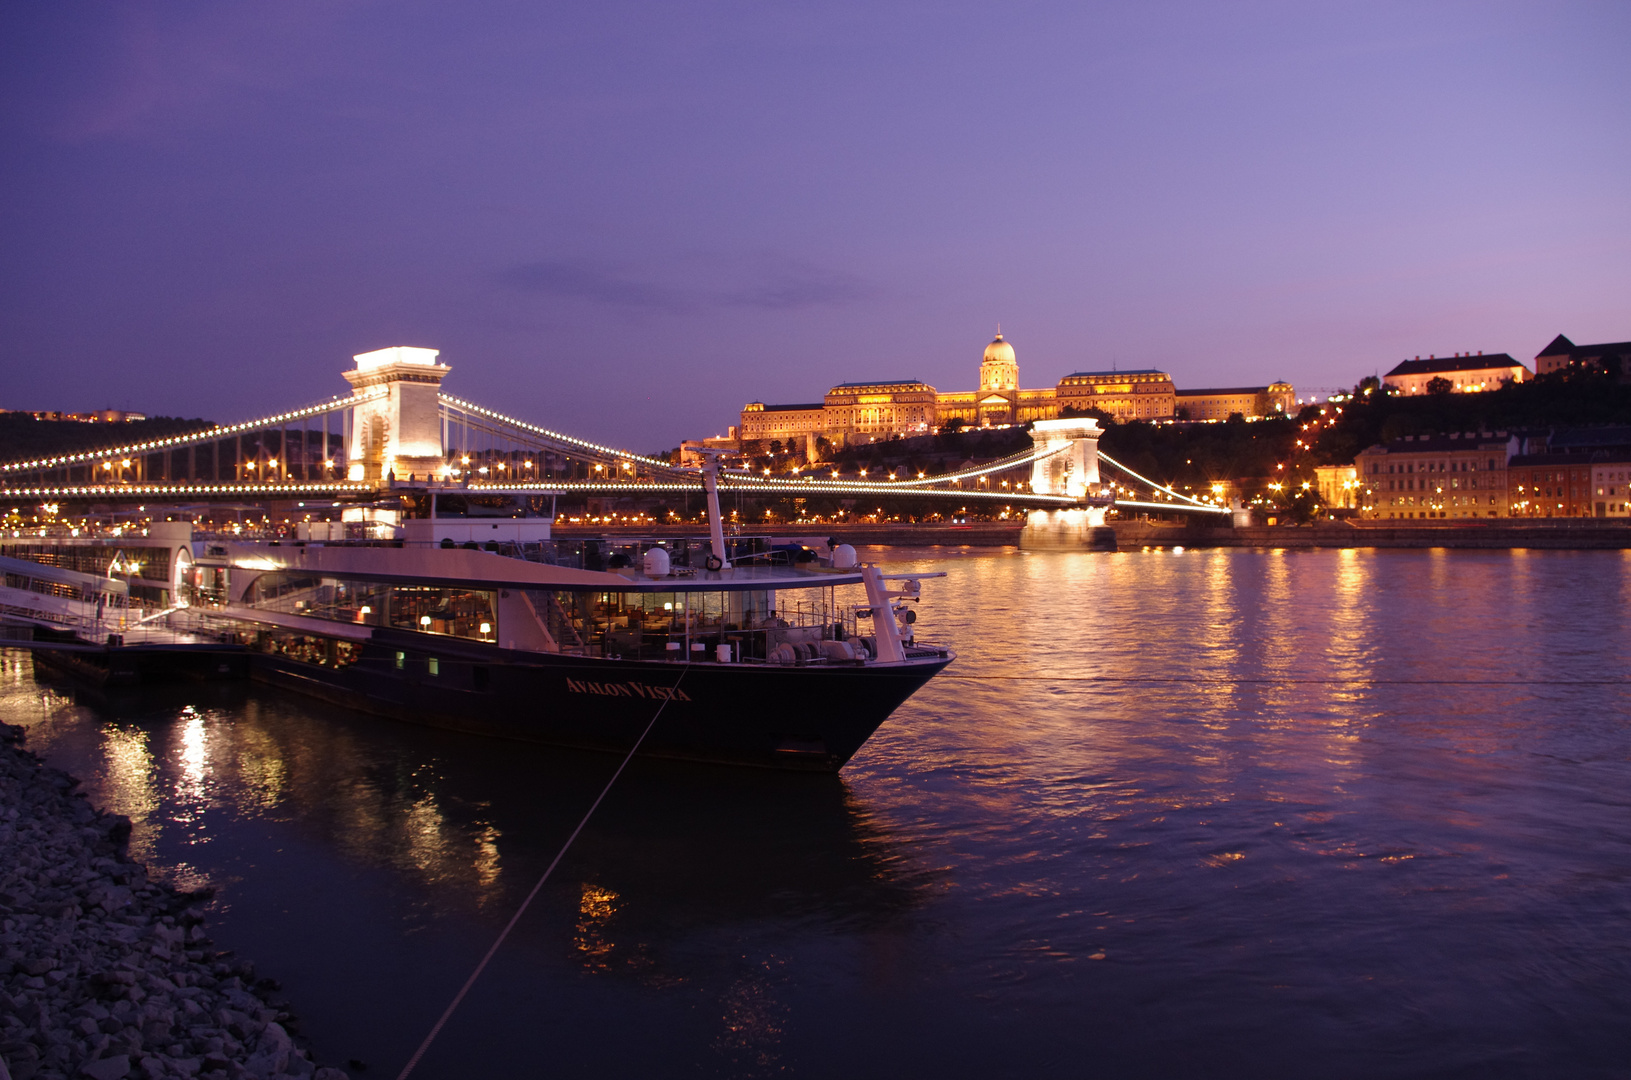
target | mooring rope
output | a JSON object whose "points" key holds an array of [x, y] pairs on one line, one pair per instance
{"points": [[476, 974], [1224, 680]]}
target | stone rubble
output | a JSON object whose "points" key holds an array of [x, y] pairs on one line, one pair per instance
{"points": [[106, 975]]}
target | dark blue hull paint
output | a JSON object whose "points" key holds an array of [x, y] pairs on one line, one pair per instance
{"points": [[810, 718]]}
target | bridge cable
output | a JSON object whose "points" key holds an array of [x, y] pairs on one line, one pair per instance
{"points": [[1159, 487], [579, 445], [476, 974], [195, 438], [1012, 461]]}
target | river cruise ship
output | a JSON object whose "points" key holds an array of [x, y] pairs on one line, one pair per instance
{"points": [[466, 614]]}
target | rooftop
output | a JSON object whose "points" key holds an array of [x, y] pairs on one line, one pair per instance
{"points": [[1434, 364], [1581, 440], [1434, 444], [1117, 374], [1562, 346], [879, 382], [1601, 457], [1224, 390]]}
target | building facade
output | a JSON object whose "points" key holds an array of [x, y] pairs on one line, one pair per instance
{"points": [[1251, 402], [999, 400], [1564, 355], [1136, 394], [863, 412], [1611, 487], [1551, 485], [1575, 472], [1459, 475], [867, 411], [1466, 373], [765, 424]]}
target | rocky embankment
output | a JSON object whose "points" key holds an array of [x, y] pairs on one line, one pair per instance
{"points": [[104, 974]]}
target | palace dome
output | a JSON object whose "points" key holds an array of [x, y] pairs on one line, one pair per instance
{"points": [[999, 351]]}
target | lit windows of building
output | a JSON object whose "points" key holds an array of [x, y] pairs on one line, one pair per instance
{"points": [[999, 401], [1465, 373], [1559, 473], [789, 425], [863, 412], [1550, 485], [1251, 402], [1134, 394], [1564, 355], [1611, 487], [97, 416], [870, 411], [1459, 475]]}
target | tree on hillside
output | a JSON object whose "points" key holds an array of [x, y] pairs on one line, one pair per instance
{"points": [[1554, 400]]}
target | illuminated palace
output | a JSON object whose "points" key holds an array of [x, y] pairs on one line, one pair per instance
{"points": [[863, 412]]}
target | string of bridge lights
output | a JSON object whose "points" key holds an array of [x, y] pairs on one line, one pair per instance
{"points": [[608, 451], [758, 487], [742, 481], [1010, 462], [1159, 487], [209, 435], [188, 489]]}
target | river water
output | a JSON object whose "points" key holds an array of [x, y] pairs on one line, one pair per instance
{"points": [[1210, 813]]}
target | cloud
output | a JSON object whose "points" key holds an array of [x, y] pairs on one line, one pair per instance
{"points": [[580, 281], [781, 286], [796, 287]]}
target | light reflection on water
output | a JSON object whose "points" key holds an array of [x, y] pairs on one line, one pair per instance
{"points": [[1210, 813], [129, 786]]}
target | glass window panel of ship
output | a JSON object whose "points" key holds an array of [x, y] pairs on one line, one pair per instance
{"points": [[593, 615], [329, 598], [324, 652], [465, 613]]}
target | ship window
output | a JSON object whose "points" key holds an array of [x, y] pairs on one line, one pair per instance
{"points": [[326, 652], [335, 599], [456, 612], [401, 660], [451, 505], [416, 505], [434, 666], [643, 625]]}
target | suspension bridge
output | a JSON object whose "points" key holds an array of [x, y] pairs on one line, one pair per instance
{"points": [[398, 430]]}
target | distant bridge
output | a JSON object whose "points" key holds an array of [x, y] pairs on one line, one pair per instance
{"points": [[398, 430]]}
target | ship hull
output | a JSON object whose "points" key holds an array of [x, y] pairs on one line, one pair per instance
{"points": [[805, 718]]}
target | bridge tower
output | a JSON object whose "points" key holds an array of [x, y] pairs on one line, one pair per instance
{"points": [[400, 431], [1070, 467]]}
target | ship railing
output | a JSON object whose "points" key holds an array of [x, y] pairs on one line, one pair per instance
{"points": [[686, 555], [129, 630]]}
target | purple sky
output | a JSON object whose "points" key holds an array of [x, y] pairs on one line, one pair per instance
{"points": [[626, 220]]}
